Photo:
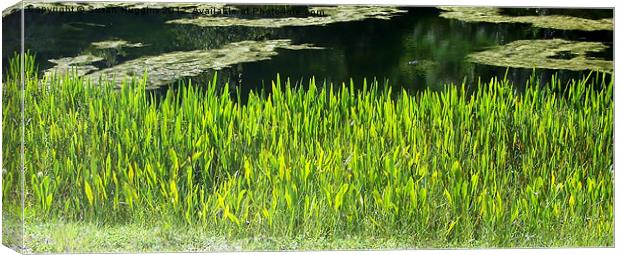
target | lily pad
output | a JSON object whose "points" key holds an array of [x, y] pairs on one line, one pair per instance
{"points": [[332, 15], [80, 64], [493, 15], [548, 54], [115, 44], [169, 67]]}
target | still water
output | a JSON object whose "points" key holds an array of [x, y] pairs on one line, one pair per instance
{"points": [[416, 49]]}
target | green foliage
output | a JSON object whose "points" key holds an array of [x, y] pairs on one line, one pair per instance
{"points": [[450, 166]]}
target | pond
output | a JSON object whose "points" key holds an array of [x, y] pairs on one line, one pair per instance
{"points": [[411, 47]]}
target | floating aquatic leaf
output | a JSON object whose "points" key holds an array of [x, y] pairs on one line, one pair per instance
{"points": [[115, 44], [493, 15], [168, 67], [545, 54], [332, 15], [81, 64], [84, 59], [79, 26]]}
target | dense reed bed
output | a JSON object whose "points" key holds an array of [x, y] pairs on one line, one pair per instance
{"points": [[488, 166]]}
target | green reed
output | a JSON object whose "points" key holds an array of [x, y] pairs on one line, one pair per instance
{"points": [[454, 165]]}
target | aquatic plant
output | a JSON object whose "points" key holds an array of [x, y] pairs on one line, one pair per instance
{"points": [[169, 67], [81, 64], [115, 44], [549, 54], [344, 13], [493, 15], [485, 166]]}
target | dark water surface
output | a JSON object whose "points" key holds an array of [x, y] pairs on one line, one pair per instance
{"points": [[415, 50]]}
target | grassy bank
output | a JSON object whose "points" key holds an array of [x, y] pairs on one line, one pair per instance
{"points": [[487, 167]]}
